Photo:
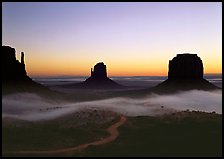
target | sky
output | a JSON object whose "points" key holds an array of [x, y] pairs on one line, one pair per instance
{"points": [[131, 38]]}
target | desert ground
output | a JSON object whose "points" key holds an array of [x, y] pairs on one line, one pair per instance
{"points": [[178, 134], [112, 123]]}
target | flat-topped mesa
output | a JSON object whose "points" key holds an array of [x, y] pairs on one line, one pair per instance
{"points": [[100, 71], [186, 66], [185, 73]]}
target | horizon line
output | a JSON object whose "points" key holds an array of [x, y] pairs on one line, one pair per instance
{"points": [[52, 76]]}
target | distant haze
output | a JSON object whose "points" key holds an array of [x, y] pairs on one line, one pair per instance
{"points": [[144, 81], [132, 39]]}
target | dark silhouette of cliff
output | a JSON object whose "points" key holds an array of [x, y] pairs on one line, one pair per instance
{"points": [[98, 79], [185, 73], [12, 69], [99, 71], [14, 76], [185, 66]]}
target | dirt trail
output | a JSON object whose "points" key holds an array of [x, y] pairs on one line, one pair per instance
{"points": [[113, 135]]}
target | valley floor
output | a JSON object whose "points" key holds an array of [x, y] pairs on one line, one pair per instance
{"points": [[179, 134]]}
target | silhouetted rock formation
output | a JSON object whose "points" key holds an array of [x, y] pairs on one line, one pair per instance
{"points": [[100, 71], [98, 79], [185, 66], [14, 76], [12, 69], [185, 73]]}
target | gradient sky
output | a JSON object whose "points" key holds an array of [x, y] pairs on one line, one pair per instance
{"points": [[68, 38]]}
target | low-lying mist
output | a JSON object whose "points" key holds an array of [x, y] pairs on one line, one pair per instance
{"points": [[32, 107]]}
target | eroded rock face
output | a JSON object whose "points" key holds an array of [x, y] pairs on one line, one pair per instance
{"points": [[100, 71], [185, 73], [14, 76], [185, 66], [97, 80], [12, 69]]}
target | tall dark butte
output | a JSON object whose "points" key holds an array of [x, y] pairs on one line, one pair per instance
{"points": [[185, 73], [14, 75], [97, 80]]}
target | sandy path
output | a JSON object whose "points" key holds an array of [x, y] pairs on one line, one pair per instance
{"points": [[113, 135]]}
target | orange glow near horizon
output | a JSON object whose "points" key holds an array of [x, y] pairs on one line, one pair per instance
{"points": [[86, 72], [82, 68], [60, 62]]}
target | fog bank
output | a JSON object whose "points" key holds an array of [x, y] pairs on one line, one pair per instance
{"points": [[33, 107]]}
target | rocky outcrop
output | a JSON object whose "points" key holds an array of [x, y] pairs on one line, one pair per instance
{"points": [[14, 76], [185, 66], [185, 73], [12, 69], [100, 71], [98, 79]]}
